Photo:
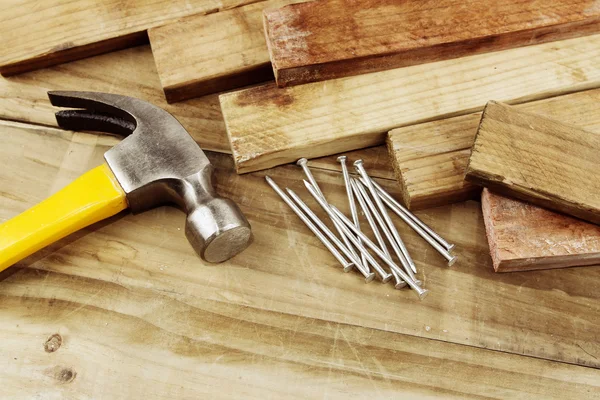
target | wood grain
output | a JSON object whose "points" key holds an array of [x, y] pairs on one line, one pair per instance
{"points": [[537, 159], [129, 72], [268, 126], [205, 54], [134, 287], [524, 237], [329, 39], [430, 159], [38, 35]]}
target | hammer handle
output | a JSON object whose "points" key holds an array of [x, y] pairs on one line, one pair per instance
{"points": [[92, 197]]}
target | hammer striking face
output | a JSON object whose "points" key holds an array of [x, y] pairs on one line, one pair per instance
{"points": [[158, 163]]}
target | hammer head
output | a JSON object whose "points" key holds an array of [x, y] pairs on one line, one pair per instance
{"points": [[159, 163]]}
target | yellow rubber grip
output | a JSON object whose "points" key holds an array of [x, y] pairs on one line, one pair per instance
{"points": [[92, 197]]}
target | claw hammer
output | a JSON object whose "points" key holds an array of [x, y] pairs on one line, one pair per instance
{"points": [[157, 163]]}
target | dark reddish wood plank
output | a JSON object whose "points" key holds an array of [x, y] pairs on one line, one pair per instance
{"points": [[524, 237], [322, 40]]}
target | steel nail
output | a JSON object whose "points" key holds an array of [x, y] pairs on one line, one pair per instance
{"points": [[366, 273], [400, 209], [303, 162], [420, 291], [309, 224], [385, 276], [334, 213], [434, 243], [349, 193], [385, 229], [355, 187], [358, 164]]}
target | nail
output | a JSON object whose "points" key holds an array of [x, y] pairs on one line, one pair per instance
{"points": [[355, 188], [366, 273], [420, 291], [329, 209], [349, 193], [358, 164], [449, 257], [400, 209], [303, 162], [385, 229], [309, 224], [334, 213]]}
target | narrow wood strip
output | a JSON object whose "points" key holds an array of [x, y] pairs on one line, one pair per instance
{"points": [[37, 35], [268, 126], [205, 54], [523, 237], [537, 159], [329, 39], [430, 159]]}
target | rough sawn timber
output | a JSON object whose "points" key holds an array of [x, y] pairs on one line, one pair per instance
{"points": [[328, 39], [269, 126], [537, 159]]}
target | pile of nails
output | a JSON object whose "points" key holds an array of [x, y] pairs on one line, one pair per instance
{"points": [[351, 245]]}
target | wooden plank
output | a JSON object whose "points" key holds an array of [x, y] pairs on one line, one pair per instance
{"points": [[537, 159], [330, 39], [130, 72], [187, 348], [268, 126], [286, 272], [205, 54], [37, 36], [430, 159], [523, 237]]}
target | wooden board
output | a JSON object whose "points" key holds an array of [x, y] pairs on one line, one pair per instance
{"points": [[430, 159], [129, 72], [537, 159], [205, 54], [130, 296], [36, 36], [523, 237], [268, 126], [329, 39]]}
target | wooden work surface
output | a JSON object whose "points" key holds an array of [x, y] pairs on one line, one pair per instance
{"points": [[125, 309]]}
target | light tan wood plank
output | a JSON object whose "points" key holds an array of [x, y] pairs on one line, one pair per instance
{"points": [[537, 159], [39, 34], [523, 237], [430, 159], [268, 126], [155, 344], [205, 54], [330, 39], [130, 72], [286, 270]]}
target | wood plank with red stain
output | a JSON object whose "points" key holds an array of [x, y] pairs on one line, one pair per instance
{"points": [[524, 237], [322, 40]]}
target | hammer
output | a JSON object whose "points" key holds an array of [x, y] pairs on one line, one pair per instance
{"points": [[158, 163]]}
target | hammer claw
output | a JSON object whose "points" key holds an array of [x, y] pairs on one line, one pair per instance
{"points": [[83, 120]]}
